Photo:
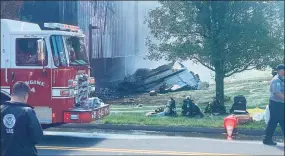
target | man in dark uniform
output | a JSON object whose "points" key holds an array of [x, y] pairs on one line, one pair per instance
{"points": [[20, 128], [187, 106], [190, 109], [276, 105]]}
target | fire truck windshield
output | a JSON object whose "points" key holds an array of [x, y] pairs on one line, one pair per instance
{"points": [[75, 50]]}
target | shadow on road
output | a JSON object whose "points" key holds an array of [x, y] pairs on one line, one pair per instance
{"points": [[52, 140], [156, 133], [280, 147], [65, 141]]}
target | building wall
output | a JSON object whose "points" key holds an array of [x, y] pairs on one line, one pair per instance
{"points": [[40, 12], [115, 41]]}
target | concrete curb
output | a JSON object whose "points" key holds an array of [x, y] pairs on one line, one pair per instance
{"points": [[165, 129]]}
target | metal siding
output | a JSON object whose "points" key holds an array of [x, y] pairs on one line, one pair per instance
{"points": [[120, 37], [136, 27], [120, 32]]}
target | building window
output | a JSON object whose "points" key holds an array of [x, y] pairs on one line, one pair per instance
{"points": [[26, 52]]}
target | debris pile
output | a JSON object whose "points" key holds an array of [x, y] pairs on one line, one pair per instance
{"points": [[95, 102], [171, 77], [166, 78], [107, 94]]}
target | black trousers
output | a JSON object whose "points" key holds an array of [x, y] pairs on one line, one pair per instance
{"points": [[276, 110]]}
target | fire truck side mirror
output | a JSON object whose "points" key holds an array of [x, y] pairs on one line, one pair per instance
{"points": [[41, 50]]}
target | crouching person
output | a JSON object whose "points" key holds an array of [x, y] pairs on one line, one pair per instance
{"points": [[215, 108], [20, 128], [170, 109], [190, 109]]}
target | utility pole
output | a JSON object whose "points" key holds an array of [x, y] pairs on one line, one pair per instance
{"points": [[91, 27]]}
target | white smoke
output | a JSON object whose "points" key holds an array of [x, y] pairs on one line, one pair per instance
{"points": [[204, 73]]}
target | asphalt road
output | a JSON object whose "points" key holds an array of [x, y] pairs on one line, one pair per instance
{"points": [[70, 143]]}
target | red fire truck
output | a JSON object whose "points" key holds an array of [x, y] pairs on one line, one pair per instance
{"points": [[55, 65]]}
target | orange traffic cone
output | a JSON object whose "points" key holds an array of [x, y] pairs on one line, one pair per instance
{"points": [[229, 132], [230, 123]]}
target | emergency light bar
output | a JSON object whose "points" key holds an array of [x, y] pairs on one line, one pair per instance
{"points": [[61, 26]]}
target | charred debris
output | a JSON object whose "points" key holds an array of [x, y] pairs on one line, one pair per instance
{"points": [[171, 77], [166, 78]]}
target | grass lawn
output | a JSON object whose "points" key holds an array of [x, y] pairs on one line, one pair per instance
{"points": [[140, 119], [256, 92]]}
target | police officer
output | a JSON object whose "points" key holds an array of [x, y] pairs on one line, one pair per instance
{"points": [[276, 105], [20, 128]]}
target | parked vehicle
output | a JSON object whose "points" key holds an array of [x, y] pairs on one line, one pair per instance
{"points": [[56, 66]]}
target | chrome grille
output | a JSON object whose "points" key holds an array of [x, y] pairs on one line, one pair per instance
{"points": [[82, 90]]}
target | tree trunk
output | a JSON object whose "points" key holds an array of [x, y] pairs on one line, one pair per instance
{"points": [[219, 79]]}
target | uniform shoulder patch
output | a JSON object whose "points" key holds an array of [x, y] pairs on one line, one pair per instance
{"points": [[9, 121], [278, 84]]}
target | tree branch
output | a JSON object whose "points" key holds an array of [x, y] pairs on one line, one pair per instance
{"points": [[235, 67], [204, 64], [192, 33], [238, 71]]}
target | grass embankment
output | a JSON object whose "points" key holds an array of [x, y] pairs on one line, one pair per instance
{"points": [[256, 92], [140, 119]]}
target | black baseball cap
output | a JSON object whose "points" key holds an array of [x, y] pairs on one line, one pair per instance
{"points": [[280, 67]]}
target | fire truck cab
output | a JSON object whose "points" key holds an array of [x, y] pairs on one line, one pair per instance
{"points": [[56, 66]]}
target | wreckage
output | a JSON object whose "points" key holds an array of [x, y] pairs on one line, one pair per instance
{"points": [[166, 78]]}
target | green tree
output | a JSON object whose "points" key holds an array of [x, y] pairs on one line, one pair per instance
{"points": [[227, 37]]}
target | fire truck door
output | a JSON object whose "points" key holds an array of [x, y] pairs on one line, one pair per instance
{"points": [[5, 63], [26, 67]]}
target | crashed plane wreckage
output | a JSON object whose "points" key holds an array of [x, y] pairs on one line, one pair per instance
{"points": [[166, 78]]}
